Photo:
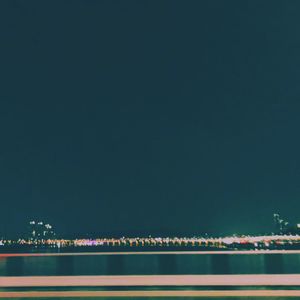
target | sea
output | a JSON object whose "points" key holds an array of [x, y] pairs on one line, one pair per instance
{"points": [[152, 263]]}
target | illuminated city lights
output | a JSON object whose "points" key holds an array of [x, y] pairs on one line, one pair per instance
{"points": [[251, 242], [41, 235]]}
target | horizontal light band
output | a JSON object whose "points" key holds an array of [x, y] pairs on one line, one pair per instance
{"points": [[152, 280], [154, 253], [63, 294]]}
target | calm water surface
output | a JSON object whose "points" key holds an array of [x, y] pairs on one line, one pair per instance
{"points": [[151, 264]]}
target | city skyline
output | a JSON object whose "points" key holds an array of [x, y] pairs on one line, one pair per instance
{"points": [[41, 229], [42, 236], [130, 116]]}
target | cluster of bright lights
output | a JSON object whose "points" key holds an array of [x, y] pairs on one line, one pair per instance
{"points": [[143, 242], [224, 242], [260, 239]]}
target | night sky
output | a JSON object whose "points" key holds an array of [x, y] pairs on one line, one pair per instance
{"points": [[171, 117]]}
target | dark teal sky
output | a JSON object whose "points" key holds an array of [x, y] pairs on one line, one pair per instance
{"points": [[149, 116]]}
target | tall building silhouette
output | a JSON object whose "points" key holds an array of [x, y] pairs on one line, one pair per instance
{"points": [[38, 230]]}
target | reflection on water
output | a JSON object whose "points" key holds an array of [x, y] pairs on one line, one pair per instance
{"points": [[150, 264]]}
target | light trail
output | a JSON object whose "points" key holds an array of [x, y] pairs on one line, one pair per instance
{"points": [[254, 252], [152, 280], [132, 294]]}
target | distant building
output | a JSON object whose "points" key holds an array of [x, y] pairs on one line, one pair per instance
{"points": [[284, 227], [280, 224], [38, 230]]}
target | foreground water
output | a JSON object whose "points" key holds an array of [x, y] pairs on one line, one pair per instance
{"points": [[150, 263], [176, 263]]}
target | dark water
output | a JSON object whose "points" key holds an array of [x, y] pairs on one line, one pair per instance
{"points": [[150, 264]]}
